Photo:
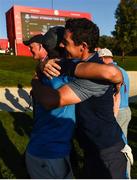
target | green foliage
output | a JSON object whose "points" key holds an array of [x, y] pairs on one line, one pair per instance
{"points": [[107, 41], [126, 26], [110, 43]]}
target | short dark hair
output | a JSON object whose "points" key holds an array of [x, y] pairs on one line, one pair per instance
{"points": [[83, 30]]}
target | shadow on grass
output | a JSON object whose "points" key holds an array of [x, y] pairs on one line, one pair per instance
{"points": [[133, 99], [77, 159], [22, 123], [13, 100], [132, 135], [9, 154], [23, 93]]}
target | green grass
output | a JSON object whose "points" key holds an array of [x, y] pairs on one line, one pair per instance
{"points": [[15, 130], [129, 63], [15, 70]]}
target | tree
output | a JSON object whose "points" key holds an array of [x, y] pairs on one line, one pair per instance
{"points": [[108, 42], [126, 26]]}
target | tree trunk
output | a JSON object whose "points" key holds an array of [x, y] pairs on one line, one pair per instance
{"points": [[123, 55]]}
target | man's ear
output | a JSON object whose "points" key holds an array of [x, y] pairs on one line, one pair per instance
{"points": [[40, 46], [84, 45]]}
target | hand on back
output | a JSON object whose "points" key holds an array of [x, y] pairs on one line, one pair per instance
{"points": [[51, 68]]}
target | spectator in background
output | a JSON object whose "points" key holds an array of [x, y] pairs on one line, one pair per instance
{"points": [[39, 54], [123, 115], [121, 101]]}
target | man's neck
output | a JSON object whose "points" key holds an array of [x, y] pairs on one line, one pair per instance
{"points": [[44, 58], [87, 56]]}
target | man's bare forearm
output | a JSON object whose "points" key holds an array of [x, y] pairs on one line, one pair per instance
{"points": [[46, 96], [50, 98], [99, 71]]}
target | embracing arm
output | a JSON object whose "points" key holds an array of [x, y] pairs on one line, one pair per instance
{"points": [[87, 70], [51, 98], [92, 70], [74, 92]]}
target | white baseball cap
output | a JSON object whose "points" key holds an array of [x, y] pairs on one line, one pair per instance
{"points": [[105, 52]]}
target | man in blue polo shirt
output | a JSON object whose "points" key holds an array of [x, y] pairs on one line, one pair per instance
{"points": [[47, 154]]}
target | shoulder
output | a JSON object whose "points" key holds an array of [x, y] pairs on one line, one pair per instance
{"points": [[95, 58], [124, 72]]}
